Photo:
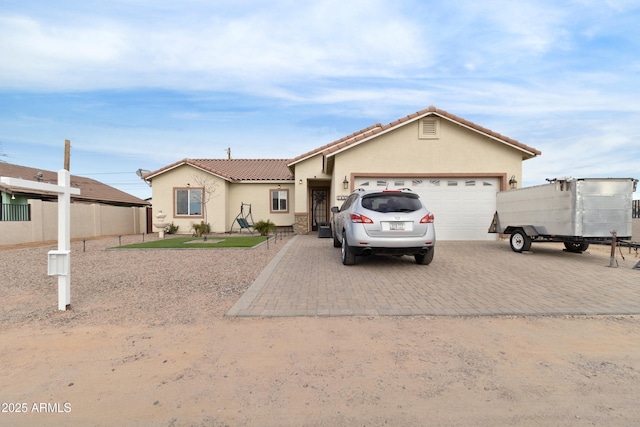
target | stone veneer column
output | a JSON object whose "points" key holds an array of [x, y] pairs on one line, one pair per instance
{"points": [[301, 224]]}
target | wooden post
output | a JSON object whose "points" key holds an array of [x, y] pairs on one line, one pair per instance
{"points": [[67, 154]]}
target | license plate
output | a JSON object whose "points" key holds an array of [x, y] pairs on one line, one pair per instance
{"points": [[396, 226]]}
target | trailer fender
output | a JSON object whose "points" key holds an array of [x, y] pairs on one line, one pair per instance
{"points": [[529, 230]]}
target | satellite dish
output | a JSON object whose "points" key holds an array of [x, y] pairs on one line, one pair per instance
{"points": [[143, 172]]}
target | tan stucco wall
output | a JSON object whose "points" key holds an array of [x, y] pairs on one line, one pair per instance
{"points": [[224, 204], [259, 196], [87, 220], [187, 177], [457, 151], [307, 170]]}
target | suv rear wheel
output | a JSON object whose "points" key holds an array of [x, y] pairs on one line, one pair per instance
{"points": [[576, 247], [425, 258], [347, 255]]}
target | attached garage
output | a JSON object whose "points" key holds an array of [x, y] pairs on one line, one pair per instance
{"points": [[455, 165], [463, 206]]}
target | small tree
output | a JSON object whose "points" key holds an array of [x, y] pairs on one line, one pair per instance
{"points": [[209, 187]]}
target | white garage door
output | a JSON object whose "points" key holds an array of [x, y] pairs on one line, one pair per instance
{"points": [[463, 207]]}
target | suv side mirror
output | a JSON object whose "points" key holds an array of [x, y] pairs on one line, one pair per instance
{"points": [[335, 209]]}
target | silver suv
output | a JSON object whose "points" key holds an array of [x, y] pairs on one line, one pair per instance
{"points": [[393, 222]]}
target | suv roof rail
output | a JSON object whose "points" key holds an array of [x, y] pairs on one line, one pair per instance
{"points": [[406, 189]]}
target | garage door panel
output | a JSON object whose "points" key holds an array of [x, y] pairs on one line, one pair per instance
{"points": [[463, 207]]}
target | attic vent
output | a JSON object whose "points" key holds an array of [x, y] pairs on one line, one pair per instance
{"points": [[429, 128]]}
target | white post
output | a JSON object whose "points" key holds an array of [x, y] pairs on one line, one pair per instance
{"points": [[64, 237], [60, 260]]}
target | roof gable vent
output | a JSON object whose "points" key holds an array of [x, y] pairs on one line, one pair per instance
{"points": [[429, 128]]}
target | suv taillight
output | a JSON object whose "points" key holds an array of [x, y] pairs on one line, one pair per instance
{"points": [[361, 219], [427, 219]]}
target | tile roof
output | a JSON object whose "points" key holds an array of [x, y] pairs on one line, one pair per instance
{"points": [[278, 169], [356, 137], [236, 169], [90, 189]]}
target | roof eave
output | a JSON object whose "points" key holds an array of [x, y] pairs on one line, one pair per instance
{"points": [[289, 165], [184, 162], [527, 151], [264, 181], [374, 134]]}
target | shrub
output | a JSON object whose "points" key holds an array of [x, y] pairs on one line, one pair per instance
{"points": [[201, 229], [264, 227], [172, 229]]}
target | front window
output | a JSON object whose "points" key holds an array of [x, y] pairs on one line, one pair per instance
{"points": [[279, 201], [189, 202]]}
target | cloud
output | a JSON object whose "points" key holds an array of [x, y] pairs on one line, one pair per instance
{"points": [[266, 45], [39, 54]]}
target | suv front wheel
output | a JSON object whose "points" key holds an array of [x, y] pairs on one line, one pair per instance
{"points": [[347, 255]]}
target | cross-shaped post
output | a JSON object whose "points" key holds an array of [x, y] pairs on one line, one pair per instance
{"points": [[60, 260]]}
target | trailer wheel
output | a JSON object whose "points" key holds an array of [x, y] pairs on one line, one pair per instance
{"points": [[519, 241], [576, 247]]}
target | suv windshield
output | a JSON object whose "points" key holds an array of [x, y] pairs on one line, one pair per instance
{"points": [[391, 202]]}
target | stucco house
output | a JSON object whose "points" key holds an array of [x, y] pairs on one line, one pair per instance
{"points": [[455, 165]]}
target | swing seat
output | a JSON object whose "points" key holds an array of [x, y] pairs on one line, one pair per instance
{"points": [[243, 223]]}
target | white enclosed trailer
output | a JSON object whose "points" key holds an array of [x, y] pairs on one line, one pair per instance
{"points": [[575, 211]]}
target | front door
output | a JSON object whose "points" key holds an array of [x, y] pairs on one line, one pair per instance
{"points": [[319, 207]]}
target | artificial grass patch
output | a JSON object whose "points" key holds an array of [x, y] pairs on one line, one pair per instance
{"points": [[193, 242]]}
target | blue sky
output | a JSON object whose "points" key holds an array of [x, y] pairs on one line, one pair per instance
{"points": [[144, 83]]}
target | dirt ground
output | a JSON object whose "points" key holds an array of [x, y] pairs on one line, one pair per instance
{"points": [[72, 368]]}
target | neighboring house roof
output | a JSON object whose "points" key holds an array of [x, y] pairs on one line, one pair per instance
{"points": [[376, 129], [90, 189], [235, 169]]}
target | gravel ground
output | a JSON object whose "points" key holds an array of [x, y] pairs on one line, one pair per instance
{"points": [[146, 343], [129, 286]]}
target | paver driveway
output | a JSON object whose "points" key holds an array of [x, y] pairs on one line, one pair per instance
{"points": [[306, 278]]}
